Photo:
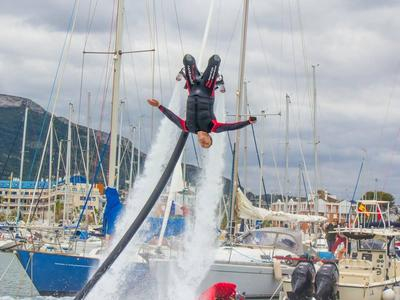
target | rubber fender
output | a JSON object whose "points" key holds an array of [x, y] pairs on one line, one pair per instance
{"points": [[277, 270]]}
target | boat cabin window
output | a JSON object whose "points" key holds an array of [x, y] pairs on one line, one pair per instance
{"points": [[320, 243], [392, 248], [397, 251], [259, 238], [271, 239], [372, 245]]}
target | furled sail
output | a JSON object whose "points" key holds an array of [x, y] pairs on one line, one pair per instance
{"points": [[246, 210]]}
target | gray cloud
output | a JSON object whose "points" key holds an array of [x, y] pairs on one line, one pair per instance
{"points": [[355, 43]]}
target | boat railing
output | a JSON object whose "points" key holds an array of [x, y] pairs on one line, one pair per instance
{"points": [[51, 239], [372, 212]]}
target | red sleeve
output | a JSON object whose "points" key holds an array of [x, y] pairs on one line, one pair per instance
{"points": [[220, 127], [174, 118]]}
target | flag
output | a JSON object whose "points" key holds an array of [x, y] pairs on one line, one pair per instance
{"points": [[363, 209], [379, 213]]}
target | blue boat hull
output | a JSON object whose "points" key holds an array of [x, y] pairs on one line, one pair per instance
{"points": [[57, 274]]}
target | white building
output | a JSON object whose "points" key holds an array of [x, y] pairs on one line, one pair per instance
{"points": [[328, 206], [42, 202]]}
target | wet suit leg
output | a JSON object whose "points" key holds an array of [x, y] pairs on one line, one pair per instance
{"points": [[191, 71], [210, 74]]}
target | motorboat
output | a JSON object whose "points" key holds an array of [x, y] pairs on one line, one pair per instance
{"points": [[369, 270]]}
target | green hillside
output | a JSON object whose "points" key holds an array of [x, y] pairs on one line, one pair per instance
{"points": [[12, 110]]}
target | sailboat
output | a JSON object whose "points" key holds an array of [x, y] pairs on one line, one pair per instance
{"points": [[70, 269]]}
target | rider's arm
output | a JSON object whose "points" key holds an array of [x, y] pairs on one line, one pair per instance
{"points": [[173, 117], [220, 127]]}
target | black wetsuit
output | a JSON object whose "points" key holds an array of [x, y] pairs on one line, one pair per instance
{"points": [[200, 103]]}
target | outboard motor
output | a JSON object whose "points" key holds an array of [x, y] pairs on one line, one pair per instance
{"points": [[302, 281], [325, 282]]}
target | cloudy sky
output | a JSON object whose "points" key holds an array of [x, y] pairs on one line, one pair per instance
{"points": [[354, 45]]}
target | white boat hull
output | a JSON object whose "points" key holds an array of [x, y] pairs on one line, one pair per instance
{"points": [[352, 291], [255, 280]]}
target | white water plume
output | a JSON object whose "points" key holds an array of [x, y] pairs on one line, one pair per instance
{"points": [[115, 283], [201, 231]]}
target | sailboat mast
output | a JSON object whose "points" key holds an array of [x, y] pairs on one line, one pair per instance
{"points": [[88, 143], [299, 189], [239, 96], [50, 170], [245, 148], [88, 153], [115, 96], [133, 128], [21, 167], [153, 61], [119, 143], [315, 142], [57, 174], [68, 167], [285, 182], [263, 112], [139, 149]]}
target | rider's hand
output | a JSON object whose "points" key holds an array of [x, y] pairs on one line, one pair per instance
{"points": [[154, 102], [252, 120]]}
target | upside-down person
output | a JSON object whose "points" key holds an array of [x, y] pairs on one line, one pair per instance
{"points": [[200, 118]]}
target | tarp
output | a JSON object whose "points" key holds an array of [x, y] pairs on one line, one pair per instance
{"points": [[175, 226], [112, 210], [77, 179], [246, 210], [6, 184], [176, 186], [82, 234]]}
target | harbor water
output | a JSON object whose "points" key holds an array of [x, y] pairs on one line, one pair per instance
{"points": [[14, 282]]}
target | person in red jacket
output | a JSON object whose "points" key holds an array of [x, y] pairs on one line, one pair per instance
{"points": [[200, 118]]}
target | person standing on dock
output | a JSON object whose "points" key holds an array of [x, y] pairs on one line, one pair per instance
{"points": [[330, 236]]}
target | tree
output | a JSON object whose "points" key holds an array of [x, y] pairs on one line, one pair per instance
{"points": [[59, 210], [380, 195]]}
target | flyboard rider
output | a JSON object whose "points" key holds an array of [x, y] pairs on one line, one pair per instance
{"points": [[200, 118]]}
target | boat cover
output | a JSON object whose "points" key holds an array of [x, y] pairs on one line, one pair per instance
{"points": [[248, 211], [112, 210]]}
